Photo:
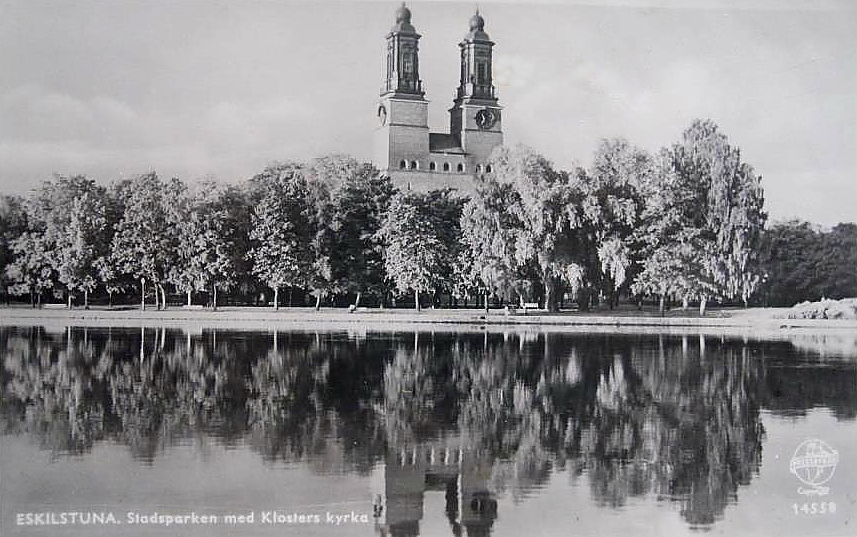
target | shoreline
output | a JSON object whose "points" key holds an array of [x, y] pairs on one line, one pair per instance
{"points": [[728, 320]]}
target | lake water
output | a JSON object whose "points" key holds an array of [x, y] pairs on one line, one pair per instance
{"points": [[416, 433]]}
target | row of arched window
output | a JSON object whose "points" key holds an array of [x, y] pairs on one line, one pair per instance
{"points": [[414, 165]]}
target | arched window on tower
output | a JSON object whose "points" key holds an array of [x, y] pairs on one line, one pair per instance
{"points": [[460, 167], [403, 165], [432, 166], [488, 168], [478, 168], [446, 166], [415, 165]]}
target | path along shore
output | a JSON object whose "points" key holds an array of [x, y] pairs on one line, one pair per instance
{"points": [[755, 321]]}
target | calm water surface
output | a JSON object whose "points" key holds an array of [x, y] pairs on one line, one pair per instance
{"points": [[403, 433]]}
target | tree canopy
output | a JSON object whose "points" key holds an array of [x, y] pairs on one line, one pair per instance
{"points": [[686, 223]]}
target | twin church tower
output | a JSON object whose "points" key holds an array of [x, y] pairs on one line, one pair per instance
{"points": [[405, 150]]}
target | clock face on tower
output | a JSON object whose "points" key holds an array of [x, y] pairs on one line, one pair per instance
{"points": [[486, 118], [382, 115]]}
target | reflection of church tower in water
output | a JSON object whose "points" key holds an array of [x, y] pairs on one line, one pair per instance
{"points": [[408, 472], [405, 150]]}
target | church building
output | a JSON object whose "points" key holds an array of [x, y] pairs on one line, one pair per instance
{"points": [[405, 150]]}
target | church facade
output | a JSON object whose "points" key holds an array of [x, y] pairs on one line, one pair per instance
{"points": [[405, 150]]}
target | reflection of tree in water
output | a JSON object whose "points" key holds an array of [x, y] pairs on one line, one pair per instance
{"points": [[155, 388], [669, 420], [418, 401], [632, 415], [801, 380], [47, 385], [311, 399]]}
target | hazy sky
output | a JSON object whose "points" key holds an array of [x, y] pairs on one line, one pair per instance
{"points": [[220, 89]]}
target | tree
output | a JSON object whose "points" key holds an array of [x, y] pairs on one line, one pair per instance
{"points": [[323, 176], [838, 261], [200, 224], [704, 198], [413, 250], [613, 204], [235, 205], [13, 224], [672, 264], [81, 244], [110, 276], [359, 197], [801, 261], [31, 269], [444, 210], [530, 216], [143, 244], [282, 231], [487, 262], [67, 224]]}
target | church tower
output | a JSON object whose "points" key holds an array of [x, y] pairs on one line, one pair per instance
{"points": [[405, 150], [402, 137], [475, 115]]}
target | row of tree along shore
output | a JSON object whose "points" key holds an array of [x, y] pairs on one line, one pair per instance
{"points": [[686, 225]]}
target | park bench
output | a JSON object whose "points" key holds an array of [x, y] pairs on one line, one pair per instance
{"points": [[530, 306], [511, 310]]}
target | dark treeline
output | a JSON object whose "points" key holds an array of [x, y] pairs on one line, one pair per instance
{"points": [[686, 225], [674, 416], [800, 261]]}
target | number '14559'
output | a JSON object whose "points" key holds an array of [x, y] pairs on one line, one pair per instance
{"points": [[814, 508]]}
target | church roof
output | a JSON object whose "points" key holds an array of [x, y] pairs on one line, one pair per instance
{"points": [[444, 143], [477, 29]]}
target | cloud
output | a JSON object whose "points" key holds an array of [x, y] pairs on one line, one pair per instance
{"points": [[44, 132]]}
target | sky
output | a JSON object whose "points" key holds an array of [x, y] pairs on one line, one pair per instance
{"points": [[220, 89]]}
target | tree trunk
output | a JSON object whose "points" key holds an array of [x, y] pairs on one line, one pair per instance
{"points": [[214, 297], [684, 302], [662, 304], [550, 303], [110, 300], [291, 288], [702, 303], [142, 294], [39, 299], [188, 297], [276, 298], [357, 300], [417, 300], [583, 299], [69, 301], [85, 299], [486, 301], [318, 302], [163, 295]]}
